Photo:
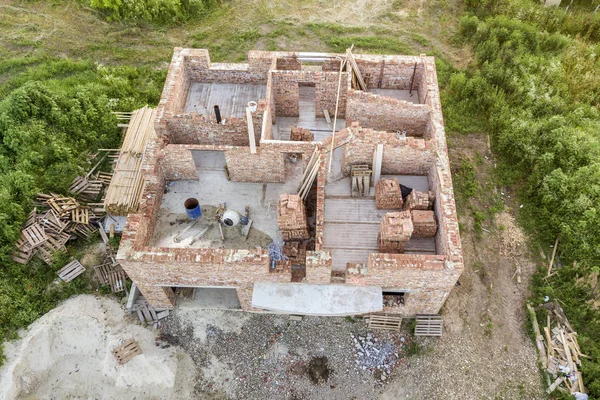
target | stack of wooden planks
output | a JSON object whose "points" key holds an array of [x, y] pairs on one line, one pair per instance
{"points": [[559, 350], [50, 225], [125, 189]]}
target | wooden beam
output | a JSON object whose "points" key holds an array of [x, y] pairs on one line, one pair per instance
{"points": [[377, 160], [552, 259], [251, 137]]}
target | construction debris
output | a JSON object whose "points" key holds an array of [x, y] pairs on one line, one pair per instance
{"points": [[148, 314], [125, 189], [86, 189], [559, 349], [374, 355], [388, 195], [291, 217], [50, 225], [301, 134]]}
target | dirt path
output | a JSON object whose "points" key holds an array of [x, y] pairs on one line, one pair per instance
{"points": [[484, 353]]}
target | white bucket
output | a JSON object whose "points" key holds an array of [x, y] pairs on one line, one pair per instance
{"points": [[252, 105]]}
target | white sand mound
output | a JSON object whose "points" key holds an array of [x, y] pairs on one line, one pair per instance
{"points": [[67, 354]]}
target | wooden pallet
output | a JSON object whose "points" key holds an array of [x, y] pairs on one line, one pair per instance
{"points": [[429, 325], [71, 271], [35, 235], [80, 215], [384, 322], [127, 351], [117, 280]]}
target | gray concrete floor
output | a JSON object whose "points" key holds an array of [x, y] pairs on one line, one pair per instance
{"points": [[232, 99], [307, 119], [214, 298], [213, 188], [352, 223], [398, 94]]}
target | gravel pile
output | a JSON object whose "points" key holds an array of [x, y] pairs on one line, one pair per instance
{"points": [[375, 355], [271, 356]]}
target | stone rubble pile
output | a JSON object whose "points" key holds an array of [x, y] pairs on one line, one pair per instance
{"points": [[373, 354]]}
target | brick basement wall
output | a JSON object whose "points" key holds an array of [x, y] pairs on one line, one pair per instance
{"points": [[394, 72], [387, 114], [428, 279], [177, 163], [411, 156]]}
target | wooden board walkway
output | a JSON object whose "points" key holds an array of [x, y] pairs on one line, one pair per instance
{"points": [[127, 351], [429, 325]]}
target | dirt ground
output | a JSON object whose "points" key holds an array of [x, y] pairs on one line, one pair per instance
{"points": [[484, 353]]}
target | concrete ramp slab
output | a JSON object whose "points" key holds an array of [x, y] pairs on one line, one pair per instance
{"points": [[322, 300]]}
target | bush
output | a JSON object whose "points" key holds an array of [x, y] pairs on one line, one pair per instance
{"points": [[157, 11], [537, 94]]}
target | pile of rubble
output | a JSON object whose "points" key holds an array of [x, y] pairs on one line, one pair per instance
{"points": [[375, 355], [291, 217]]}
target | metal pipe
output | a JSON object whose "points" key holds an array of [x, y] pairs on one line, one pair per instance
{"points": [[217, 114]]}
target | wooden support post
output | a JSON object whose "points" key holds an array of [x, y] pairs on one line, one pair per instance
{"points": [[251, 138], [377, 160], [552, 259]]}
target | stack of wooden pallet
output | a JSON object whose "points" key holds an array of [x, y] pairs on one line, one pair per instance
{"points": [[110, 271], [86, 189], [396, 229], [291, 217], [148, 314], [50, 225], [420, 200], [559, 350], [125, 189], [388, 195]]}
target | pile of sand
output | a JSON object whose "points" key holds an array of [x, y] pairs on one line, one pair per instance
{"points": [[67, 354]]}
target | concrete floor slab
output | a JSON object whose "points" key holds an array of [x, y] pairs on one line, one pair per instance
{"points": [[323, 300], [213, 188], [307, 119], [232, 99], [213, 298], [341, 187], [398, 94]]}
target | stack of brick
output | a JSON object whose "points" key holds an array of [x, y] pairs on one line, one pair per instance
{"points": [[424, 224], [281, 267], [295, 252], [291, 217], [396, 229], [388, 195], [301, 134], [419, 200]]}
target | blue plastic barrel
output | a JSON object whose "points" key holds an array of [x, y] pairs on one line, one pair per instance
{"points": [[192, 208]]}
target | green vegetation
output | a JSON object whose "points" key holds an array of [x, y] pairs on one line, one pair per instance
{"points": [[536, 92], [157, 11], [53, 113]]}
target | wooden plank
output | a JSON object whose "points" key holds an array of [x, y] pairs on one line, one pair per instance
{"points": [[551, 263], [327, 117], [377, 161]]}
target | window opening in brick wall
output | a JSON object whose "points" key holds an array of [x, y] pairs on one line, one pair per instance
{"points": [[393, 298]]}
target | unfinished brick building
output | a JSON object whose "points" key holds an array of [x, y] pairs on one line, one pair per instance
{"points": [[242, 157]]}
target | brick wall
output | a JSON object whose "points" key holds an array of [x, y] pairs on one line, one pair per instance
{"points": [[428, 279], [318, 267], [387, 114], [389, 72], [411, 156], [194, 128], [177, 163]]}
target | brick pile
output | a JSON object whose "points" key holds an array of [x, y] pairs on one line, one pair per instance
{"points": [[301, 134], [388, 195], [419, 200], [291, 217], [295, 252], [424, 223], [396, 229]]}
